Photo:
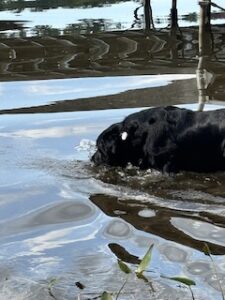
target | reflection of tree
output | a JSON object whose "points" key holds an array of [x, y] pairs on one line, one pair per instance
{"points": [[40, 5], [91, 26], [192, 17], [10, 25], [46, 30], [137, 19], [148, 15], [85, 26]]}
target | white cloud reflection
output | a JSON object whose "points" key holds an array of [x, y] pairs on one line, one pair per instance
{"points": [[116, 13], [51, 132], [39, 92], [59, 238], [200, 230]]}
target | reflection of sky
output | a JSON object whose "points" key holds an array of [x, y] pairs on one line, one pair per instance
{"points": [[78, 125], [200, 230], [35, 93], [161, 8], [61, 17], [121, 12]]}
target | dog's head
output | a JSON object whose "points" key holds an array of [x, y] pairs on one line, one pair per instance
{"points": [[120, 144], [143, 139]]}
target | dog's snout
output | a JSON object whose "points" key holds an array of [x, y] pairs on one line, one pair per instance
{"points": [[97, 158]]}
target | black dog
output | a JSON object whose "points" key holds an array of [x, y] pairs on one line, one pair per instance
{"points": [[168, 139]]}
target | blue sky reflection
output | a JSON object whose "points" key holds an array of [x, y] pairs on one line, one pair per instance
{"points": [[122, 13], [35, 93]]}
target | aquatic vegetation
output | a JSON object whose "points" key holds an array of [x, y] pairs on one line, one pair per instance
{"points": [[207, 252], [51, 283], [139, 273], [127, 270], [185, 281]]}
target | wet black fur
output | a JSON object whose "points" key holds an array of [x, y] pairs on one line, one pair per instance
{"points": [[168, 139]]}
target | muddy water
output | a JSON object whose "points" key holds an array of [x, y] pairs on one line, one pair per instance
{"points": [[62, 219]]}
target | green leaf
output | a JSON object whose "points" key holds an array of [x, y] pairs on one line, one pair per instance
{"points": [[52, 282], [206, 249], [124, 267], [106, 296], [141, 276], [183, 280], [145, 261]]}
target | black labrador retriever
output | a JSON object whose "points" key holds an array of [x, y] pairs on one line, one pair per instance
{"points": [[169, 139]]}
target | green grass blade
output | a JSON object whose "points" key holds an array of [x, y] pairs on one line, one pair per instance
{"points": [[106, 296], [142, 277], [124, 267], [206, 249], [145, 261], [184, 280], [51, 283]]}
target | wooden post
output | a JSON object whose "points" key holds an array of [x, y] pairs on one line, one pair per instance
{"points": [[203, 76], [173, 13], [204, 27], [173, 30], [148, 15]]}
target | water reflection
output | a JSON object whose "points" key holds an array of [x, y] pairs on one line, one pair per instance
{"points": [[76, 17], [83, 12], [200, 230], [118, 53], [118, 230], [93, 93], [41, 5], [50, 53], [163, 223], [55, 214]]}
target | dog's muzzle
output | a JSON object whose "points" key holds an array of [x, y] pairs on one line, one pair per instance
{"points": [[97, 158]]}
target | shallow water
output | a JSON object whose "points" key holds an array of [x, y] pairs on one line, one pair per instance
{"points": [[65, 221], [63, 218]]}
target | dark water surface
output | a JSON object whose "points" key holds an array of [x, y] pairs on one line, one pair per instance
{"points": [[68, 70]]}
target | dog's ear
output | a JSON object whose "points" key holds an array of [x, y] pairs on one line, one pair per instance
{"points": [[128, 129], [132, 126]]}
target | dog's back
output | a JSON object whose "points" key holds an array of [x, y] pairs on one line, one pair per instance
{"points": [[168, 139], [200, 147]]}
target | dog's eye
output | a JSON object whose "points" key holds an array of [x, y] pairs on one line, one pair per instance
{"points": [[124, 135]]}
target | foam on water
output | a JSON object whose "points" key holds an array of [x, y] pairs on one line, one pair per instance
{"points": [[86, 145]]}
